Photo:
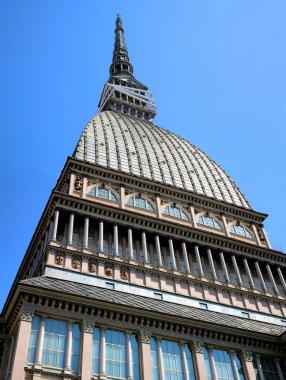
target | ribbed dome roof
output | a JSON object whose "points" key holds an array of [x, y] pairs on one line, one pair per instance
{"points": [[126, 144]]}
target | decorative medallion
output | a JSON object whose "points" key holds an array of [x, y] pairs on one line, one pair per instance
{"points": [[76, 262], [59, 259], [109, 271], [124, 274], [92, 266], [78, 184]]}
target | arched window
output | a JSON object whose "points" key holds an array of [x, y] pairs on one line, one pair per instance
{"points": [[140, 203], [207, 220], [102, 192], [240, 230], [175, 212]]}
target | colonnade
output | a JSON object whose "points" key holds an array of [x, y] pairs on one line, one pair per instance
{"points": [[174, 264]]}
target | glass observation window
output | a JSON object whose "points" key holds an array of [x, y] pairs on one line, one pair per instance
{"points": [[140, 203], [102, 192], [135, 357], [116, 354], [208, 364], [175, 212], [54, 343], [208, 221], [36, 321], [240, 230]]}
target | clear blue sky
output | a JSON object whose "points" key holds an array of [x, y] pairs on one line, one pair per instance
{"points": [[217, 69]]}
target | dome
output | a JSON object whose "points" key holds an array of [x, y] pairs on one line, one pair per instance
{"points": [[133, 146]]}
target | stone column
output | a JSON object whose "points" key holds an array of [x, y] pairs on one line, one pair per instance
{"points": [[129, 357], [212, 363], [55, 227], [247, 364], [210, 257], [234, 263], [224, 266], [272, 279], [199, 361], [248, 273], [86, 349], [277, 362], [146, 364], [122, 197], [40, 343], [158, 207], [186, 259], [84, 188], [198, 258], [280, 274], [266, 237], [160, 360], [158, 250], [260, 276], [11, 350], [102, 368], [115, 240], [130, 243], [85, 232], [100, 237], [68, 349], [144, 244], [21, 345], [172, 253], [70, 231]]}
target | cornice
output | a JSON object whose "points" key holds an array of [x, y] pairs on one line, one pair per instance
{"points": [[83, 308], [141, 184]]}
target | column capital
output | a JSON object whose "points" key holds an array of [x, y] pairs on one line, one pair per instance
{"points": [[246, 356], [26, 314], [145, 336], [197, 346], [87, 325]]}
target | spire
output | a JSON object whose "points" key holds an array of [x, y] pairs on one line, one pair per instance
{"points": [[120, 45], [120, 53], [122, 92]]}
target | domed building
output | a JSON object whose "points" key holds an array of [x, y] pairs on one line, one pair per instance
{"points": [[148, 262]]}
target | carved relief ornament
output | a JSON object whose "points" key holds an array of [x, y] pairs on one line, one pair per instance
{"points": [[197, 346], [246, 356], [145, 336]]}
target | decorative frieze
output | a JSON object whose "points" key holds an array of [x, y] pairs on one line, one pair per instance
{"points": [[76, 262], [59, 259]]}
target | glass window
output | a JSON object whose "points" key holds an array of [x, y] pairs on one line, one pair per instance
{"points": [[240, 230], [175, 212], [238, 366], [75, 347], [96, 350], [135, 357], [209, 221], [269, 368], [54, 343], [115, 354], [154, 359], [223, 365], [208, 364], [190, 363], [36, 321], [102, 192], [172, 361], [203, 305], [140, 203]]}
